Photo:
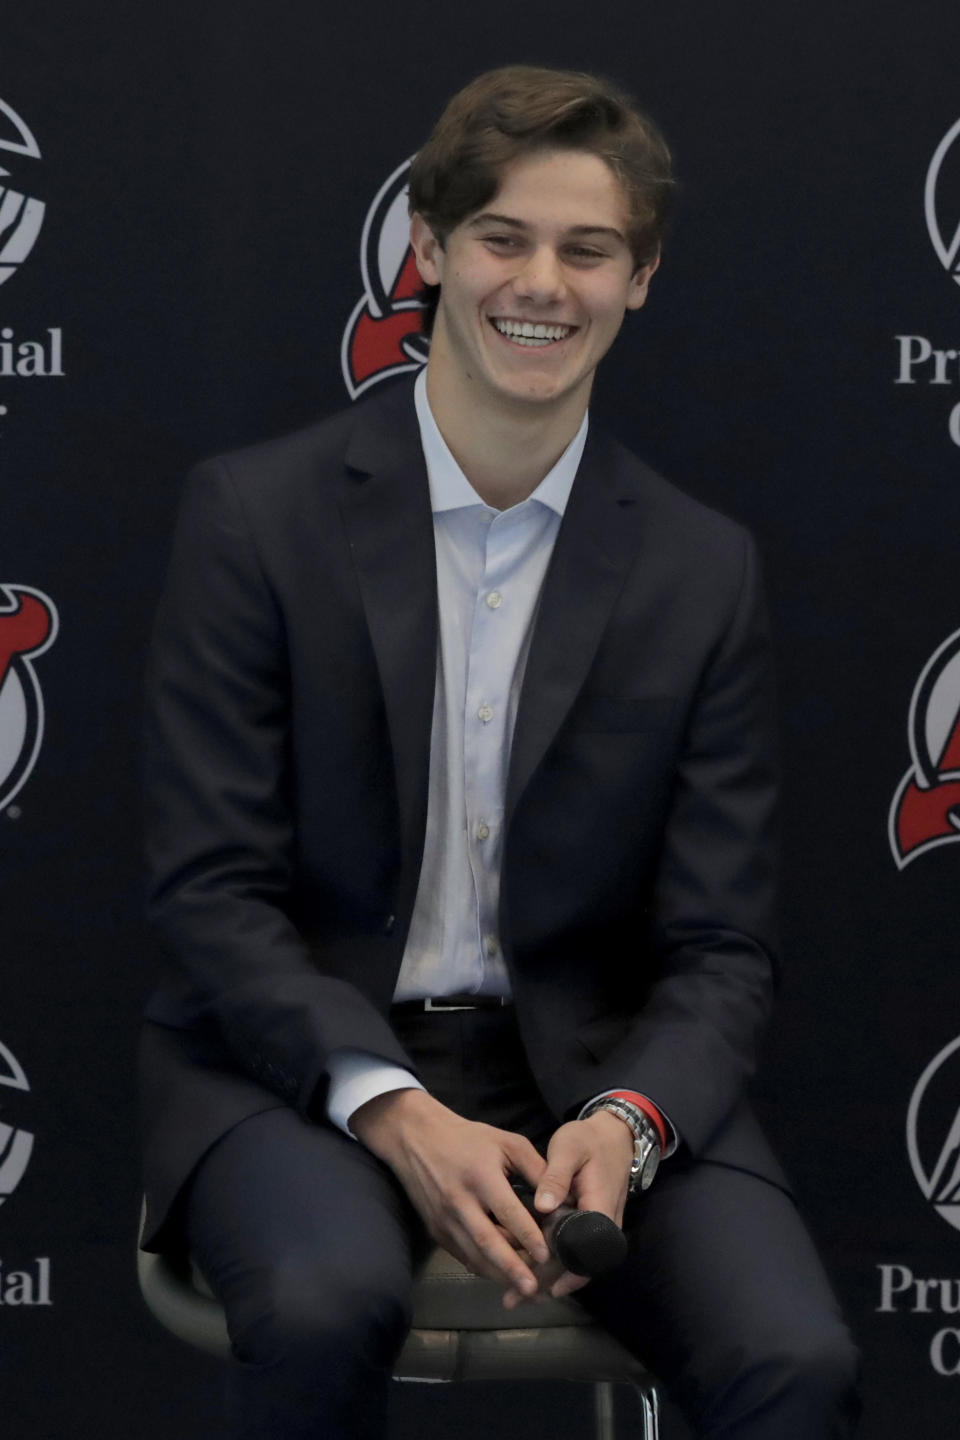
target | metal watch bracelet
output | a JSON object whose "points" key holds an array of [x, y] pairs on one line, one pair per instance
{"points": [[646, 1141]]}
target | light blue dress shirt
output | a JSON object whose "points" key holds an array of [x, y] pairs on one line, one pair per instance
{"points": [[490, 569]]}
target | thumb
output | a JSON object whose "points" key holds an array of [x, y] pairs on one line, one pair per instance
{"points": [[594, 1194], [555, 1181]]}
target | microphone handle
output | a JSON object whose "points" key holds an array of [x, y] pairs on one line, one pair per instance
{"points": [[551, 1222]]}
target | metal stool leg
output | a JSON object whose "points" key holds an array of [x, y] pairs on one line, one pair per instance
{"points": [[649, 1412], [603, 1409]]}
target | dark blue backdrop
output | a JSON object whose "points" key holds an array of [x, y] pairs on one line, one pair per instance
{"points": [[206, 177]]}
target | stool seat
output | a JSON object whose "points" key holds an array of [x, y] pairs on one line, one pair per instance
{"points": [[460, 1331]]}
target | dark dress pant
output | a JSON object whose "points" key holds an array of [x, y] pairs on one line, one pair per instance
{"points": [[311, 1245]]}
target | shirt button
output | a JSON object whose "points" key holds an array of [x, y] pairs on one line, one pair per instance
{"points": [[492, 947], [494, 599], [483, 830], [485, 713]]}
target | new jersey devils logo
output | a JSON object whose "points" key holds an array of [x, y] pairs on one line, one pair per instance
{"points": [[926, 808], [383, 336], [28, 626]]}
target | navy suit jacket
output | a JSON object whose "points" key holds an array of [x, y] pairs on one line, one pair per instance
{"points": [[290, 703]]}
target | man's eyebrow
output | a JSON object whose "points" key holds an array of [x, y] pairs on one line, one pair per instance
{"points": [[489, 217]]}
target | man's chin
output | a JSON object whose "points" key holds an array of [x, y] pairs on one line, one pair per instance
{"points": [[539, 390]]}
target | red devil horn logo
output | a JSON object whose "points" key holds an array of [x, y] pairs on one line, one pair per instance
{"points": [[383, 335], [926, 808], [28, 626], [24, 630]]}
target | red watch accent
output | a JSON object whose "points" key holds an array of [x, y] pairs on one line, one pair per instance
{"points": [[648, 1108]]}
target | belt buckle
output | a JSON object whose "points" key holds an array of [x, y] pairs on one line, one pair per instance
{"points": [[430, 1004]]}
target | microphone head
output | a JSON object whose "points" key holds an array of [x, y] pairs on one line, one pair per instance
{"points": [[589, 1243]]}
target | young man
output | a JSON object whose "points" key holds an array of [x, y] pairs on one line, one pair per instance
{"points": [[461, 805]]}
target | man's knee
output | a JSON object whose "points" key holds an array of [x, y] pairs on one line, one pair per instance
{"points": [[809, 1380], [350, 1318], [826, 1369]]}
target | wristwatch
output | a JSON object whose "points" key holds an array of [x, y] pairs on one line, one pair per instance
{"points": [[646, 1141]]}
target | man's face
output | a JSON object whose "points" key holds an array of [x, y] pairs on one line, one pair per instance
{"points": [[550, 252]]}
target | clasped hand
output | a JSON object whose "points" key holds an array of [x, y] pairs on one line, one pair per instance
{"points": [[457, 1174]]}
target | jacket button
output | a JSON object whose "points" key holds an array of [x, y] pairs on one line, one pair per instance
{"points": [[389, 924]]}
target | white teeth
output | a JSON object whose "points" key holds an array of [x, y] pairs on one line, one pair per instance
{"points": [[524, 332]]}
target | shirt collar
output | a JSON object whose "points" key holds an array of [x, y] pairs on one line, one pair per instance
{"points": [[449, 487]]}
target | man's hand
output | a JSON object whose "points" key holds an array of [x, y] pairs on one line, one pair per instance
{"points": [[588, 1165], [455, 1172]]}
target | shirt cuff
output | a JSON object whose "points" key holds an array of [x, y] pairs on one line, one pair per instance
{"points": [[357, 1076], [673, 1139]]}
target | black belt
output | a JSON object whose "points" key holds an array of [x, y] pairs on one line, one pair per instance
{"points": [[450, 1002]]}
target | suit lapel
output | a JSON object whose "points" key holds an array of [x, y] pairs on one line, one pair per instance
{"points": [[386, 510], [598, 540]]}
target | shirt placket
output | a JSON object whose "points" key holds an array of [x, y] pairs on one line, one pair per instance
{"points": [[490, 666]]}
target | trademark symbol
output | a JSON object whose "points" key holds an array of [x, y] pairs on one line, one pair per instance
{"points": [[14, 812]]}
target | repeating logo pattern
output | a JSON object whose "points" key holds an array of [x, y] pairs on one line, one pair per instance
{"points": [[941, 198], [382, 336], [16, 1146], [935, 1097], [926, 808], [28, 627], [20, 215]]}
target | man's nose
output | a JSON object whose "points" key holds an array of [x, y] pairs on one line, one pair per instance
{"points": [[541, 278]]}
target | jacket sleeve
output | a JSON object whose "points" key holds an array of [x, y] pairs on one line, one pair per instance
{"points": [[220, 830]]}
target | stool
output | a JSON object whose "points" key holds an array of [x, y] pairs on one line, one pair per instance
{"points": [[460, 1331]]}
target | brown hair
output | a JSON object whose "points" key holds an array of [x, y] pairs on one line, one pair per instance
{"points": [[518, 109]]}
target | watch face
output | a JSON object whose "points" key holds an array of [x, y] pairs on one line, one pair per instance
{"points": [[649, 1168]]}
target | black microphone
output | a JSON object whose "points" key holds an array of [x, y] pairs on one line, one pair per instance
{"points": [[584, 1241]]}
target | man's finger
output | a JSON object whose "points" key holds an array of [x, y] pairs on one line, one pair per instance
{"points": [[563, 1161], [546, 1275], [488, 1253], [511, 1240], [599, 1192], [515, 1218], [523, 1157], [567, 1284]]}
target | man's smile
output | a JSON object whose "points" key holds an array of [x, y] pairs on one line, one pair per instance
{"points": [[529, 333]]}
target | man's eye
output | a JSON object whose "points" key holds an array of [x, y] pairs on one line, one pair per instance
{"points": [[506, 241], [583, 252]]}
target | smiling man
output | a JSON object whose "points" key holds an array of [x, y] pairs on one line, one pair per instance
{"points": [[532, 293], [461, 798]]}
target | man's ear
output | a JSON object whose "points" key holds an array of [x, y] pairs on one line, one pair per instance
{"points": [[427, 251], [640, 283]]}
